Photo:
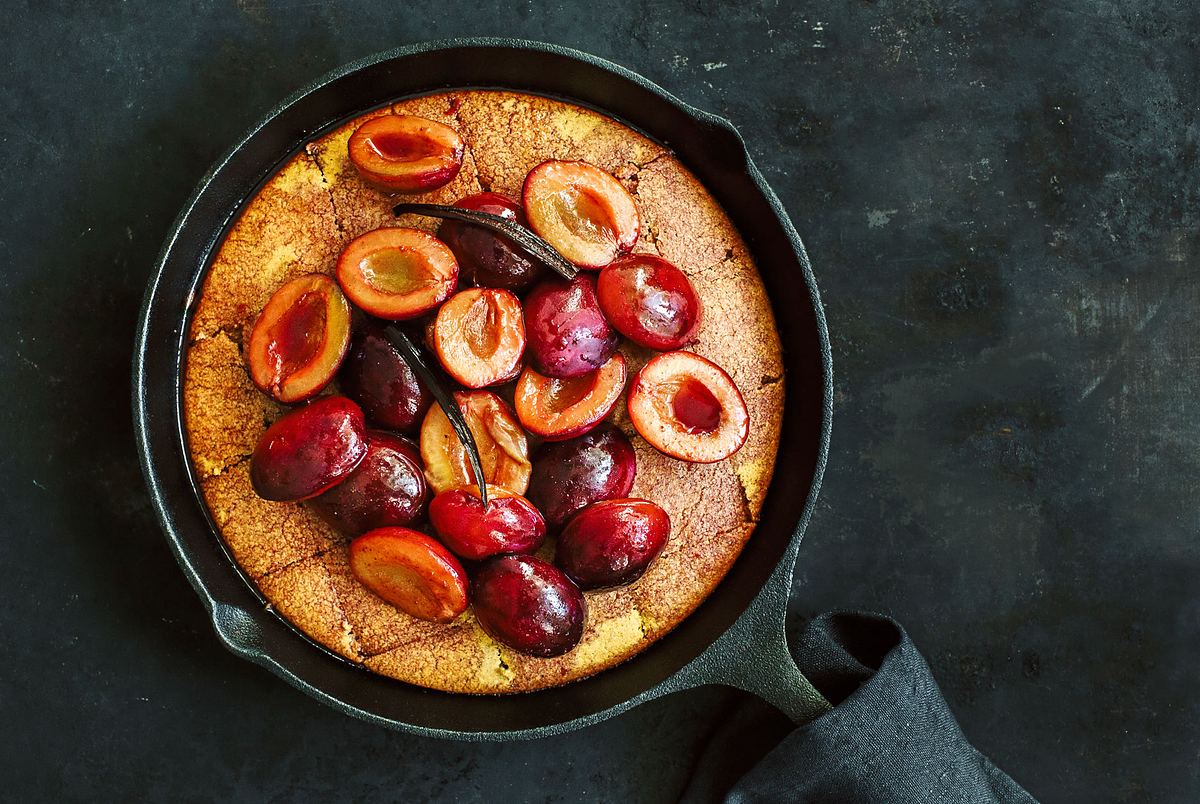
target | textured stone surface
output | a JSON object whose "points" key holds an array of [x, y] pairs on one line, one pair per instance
{"points": [[1001, 202]]}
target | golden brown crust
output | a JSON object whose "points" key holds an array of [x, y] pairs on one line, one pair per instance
{"points": [[299, 223]]}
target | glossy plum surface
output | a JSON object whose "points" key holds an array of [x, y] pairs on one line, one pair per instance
{"points": [[585, 213], [379, 379], [485, 258], [557, 409], [309, 449], [479, 336], [387, 488], [412, 571], [688, 407], [405, 153], [612, 542], [509, 523], [502, 444], [529, 605], [566, 332], [568, 475], [397, 273], [299, 339], [650, 301]]}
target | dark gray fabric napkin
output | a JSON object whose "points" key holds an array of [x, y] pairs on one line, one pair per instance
{"points": [[889, 738]]}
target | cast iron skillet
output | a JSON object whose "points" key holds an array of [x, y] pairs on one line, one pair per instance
{"points": [[736, 637]]}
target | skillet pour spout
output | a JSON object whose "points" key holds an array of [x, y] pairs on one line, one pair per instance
{"points": [[735, 637]]}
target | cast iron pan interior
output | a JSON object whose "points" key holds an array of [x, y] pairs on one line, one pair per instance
{"points": [[706, 144]]}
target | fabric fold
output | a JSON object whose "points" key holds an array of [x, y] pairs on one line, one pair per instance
{"points": [[889, 738]]}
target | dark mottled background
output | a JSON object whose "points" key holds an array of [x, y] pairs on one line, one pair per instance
{"points": [[1003, 205]]}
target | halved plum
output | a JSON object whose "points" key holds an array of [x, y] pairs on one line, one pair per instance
{"points": [[308, 450], [567, 332], [387, 488], [397, 273], [299, 339], [485, 258], [503, 446], [568, 475], [377, 377], [611, 543], [650, 301], [406, 153], [412, 571], [509, 523], [479, 336], [585, 213], [557, 409], [528, 604], [689, 408]]}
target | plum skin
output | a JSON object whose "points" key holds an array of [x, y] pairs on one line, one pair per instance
{"points": [[650, 301], [569, 475], [528, 604], [485, 258], [566, 332], [379, 379], [509, 524], [611, 543], [308, 450], [388, 488]]}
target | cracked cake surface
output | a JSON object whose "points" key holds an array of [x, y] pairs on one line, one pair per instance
{"points": [[299, 222]]}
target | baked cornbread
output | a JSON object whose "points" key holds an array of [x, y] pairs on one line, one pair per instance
{"points": [[299, 222]]}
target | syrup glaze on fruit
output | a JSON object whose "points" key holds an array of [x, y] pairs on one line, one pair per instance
{"points": [[478, 336], [556, 409], [507, 524], [567, 334], [650, 301], [299, 339], [412, 572], [406, 153], [690, 232], [581, 210], [612, 542], [568, 475], [387, 488], [397, 273], [309, 450], [529, 605]]}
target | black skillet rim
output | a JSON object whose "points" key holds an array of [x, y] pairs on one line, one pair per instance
{"points": [[240, 622]]}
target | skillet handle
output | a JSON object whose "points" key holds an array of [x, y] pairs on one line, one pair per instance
{"points": [[753, 656]]}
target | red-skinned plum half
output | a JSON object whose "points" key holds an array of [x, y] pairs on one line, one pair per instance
{"points": [[565, 330], [411, 571], [528, 604], [299, 339], [387, 488], [377, 377], [485, 258], [509, 523], [309, 449], [479, 336], [612, 542], [556, 409], [586, 214], [568, 475], [650, 301], [397, 273]]}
